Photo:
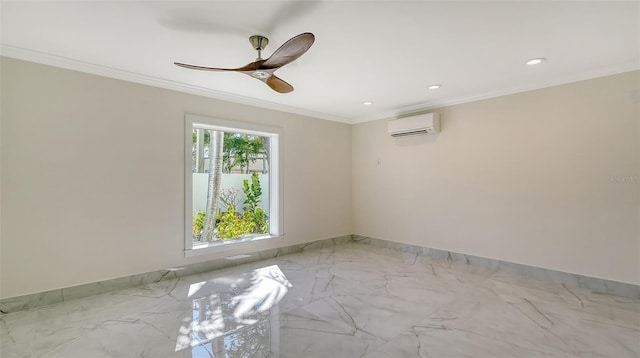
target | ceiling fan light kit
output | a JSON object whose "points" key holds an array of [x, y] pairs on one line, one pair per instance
{"points": [[263, 69], [260, 74]]}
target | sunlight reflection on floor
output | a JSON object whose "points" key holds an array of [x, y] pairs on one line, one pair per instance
{"points": [[237, 320]]}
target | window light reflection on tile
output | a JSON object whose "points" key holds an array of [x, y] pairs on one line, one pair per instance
{"points": [[230, 321]]}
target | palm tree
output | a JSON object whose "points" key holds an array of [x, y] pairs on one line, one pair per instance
{"points": [[242, 150], [214, 183], [201, 139]]}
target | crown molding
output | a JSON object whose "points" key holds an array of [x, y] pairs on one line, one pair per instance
{"points": [[558, 81], [99, 70], [104, 71]]}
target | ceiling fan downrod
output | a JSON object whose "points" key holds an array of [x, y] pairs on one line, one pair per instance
{"points": [[259, 43]]}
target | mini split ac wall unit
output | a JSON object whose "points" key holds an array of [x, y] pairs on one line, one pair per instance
{"points": [[428, 123]]}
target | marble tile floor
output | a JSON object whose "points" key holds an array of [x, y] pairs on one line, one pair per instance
{"points": [[351, 300]]}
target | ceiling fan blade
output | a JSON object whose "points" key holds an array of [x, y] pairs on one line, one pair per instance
{"points": [[249, 67], [263, 69], [277, 84], [192, 67], [289, 51]]}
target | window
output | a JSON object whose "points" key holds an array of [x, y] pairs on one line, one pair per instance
{"points": [[232, 192]]}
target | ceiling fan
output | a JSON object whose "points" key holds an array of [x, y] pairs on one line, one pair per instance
{"points": [[263, 69]]}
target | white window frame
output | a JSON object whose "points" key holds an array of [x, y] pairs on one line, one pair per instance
{"points": [[276, 211]]}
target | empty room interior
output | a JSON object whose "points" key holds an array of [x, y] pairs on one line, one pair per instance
{"points": [[320, 179]]}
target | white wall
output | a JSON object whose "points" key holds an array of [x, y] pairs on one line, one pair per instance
{"points": [[549, 178], [92, 177]]}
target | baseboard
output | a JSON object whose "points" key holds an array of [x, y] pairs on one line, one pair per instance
{"points": [[46, 298], [594, 284], [35, 300]]}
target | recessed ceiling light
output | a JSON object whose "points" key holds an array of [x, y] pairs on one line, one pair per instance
{"points": [[367, 103], [536, 61], [434, 86]]}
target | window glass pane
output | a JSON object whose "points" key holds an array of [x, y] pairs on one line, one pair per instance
{"points": [[230, 184]]}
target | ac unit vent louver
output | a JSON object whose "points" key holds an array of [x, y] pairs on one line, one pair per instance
{"points": [[423, 131]]}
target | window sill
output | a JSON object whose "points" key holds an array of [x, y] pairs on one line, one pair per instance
{"points": [[236, 246]]}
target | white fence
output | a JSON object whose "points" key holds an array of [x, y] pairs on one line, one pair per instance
{"points": [[229, 181]]}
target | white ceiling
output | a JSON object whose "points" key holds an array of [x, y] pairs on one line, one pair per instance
{"points": [[382, 51]]}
